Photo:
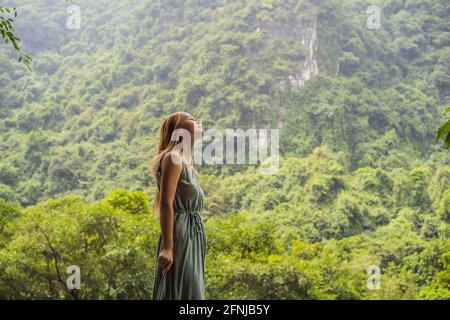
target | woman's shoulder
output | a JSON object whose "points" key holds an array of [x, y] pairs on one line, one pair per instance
{"points": [[172, 160]]}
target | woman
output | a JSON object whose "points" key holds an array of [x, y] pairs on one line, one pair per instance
{"points": [[181, 251]]}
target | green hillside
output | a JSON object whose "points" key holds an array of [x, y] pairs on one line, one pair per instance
{"points": [[361, 182]]}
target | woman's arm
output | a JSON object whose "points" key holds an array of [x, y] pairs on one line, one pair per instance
{"points": [[170, 173]]}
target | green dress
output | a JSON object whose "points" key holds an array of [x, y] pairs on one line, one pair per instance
{"points": [[185, 279]]}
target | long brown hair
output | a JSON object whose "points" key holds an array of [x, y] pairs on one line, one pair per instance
{"points": [[166, 145]]}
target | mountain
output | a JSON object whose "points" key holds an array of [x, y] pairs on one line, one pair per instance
{"points": [[361, 181]]}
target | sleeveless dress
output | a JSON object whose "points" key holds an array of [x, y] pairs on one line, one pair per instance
{"points": [[185, 279]]}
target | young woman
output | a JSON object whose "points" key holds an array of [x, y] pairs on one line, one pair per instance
{"points": [[181, 251]]}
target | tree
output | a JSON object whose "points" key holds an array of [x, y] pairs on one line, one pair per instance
{"points": [[9, 34], [441, 73]]}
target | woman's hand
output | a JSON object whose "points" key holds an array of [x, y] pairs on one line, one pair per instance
{"points": [[165, 259]]}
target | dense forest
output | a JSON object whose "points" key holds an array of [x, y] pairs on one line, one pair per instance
{"points": [[362, 181]]}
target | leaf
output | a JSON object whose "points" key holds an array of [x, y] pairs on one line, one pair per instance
{"points": [[443, 130], [447, 141]]}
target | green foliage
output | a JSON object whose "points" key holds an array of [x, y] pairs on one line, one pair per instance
{"points": [[114, 249], [132, 202], [441, 73], [361, 180], [440, 288], [9, 34]]}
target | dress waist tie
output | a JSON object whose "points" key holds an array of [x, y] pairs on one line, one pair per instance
{"points": [[195, 221]]}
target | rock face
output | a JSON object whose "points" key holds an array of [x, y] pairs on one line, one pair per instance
{"points": [[306, 70], [302, 36], [309, 68], [301, 39]]}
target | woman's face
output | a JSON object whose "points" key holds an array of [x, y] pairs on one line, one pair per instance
{"points": [[193, 125]]}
